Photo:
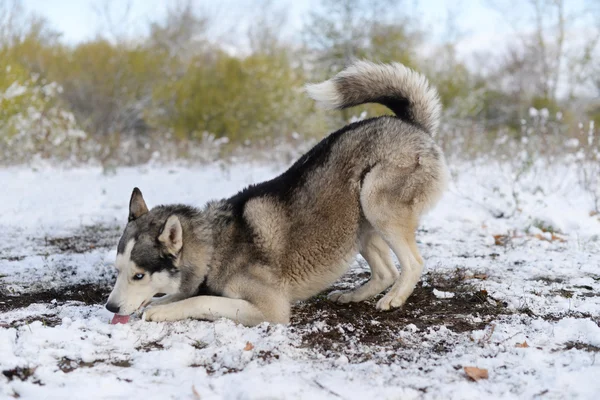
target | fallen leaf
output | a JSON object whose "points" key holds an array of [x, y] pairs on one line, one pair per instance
{"points": [[249, 346], [553, 238], [476, 373], [480, 276], [501, 240], [522, 345]]}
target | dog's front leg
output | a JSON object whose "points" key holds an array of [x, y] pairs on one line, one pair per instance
{"points": [[159, 301], [208, 308], [167, 299]]}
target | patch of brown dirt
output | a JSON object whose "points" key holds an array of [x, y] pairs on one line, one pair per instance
{"points": [[68, 365], [83, 240], [150, 346], [21, 373], [86, 239], [329, 326], [87, 293], [48, 320], [582, 346], [12, 258]]}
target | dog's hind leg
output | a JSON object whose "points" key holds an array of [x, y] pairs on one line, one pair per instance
{"points": [[383, 271], [404, 246], [388, 202]]}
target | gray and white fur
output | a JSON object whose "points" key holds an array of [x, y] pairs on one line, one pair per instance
{"points": [[362, 189]]}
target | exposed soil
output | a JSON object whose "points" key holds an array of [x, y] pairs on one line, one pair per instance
{"points": [[21, 373], [82, 240], [146, 347], [86, 239], [12, 258], [48, 320], [87, 293], [67, 365], [582, 346], [361, 324]]}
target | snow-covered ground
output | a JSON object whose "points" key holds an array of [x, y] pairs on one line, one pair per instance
{"points": [[501, 292]]}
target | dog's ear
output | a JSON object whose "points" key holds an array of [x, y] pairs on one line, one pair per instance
{"points": [[137, 205], [171, 236]]}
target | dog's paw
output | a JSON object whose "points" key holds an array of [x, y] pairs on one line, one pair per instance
{"points": [[160, 313], [340, 296], [390, 301]]}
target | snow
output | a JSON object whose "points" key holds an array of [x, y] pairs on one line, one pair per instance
{"points": [[14, 90], [442, 295], [550, 283]]}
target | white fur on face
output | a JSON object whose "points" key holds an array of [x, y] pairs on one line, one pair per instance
{"points": [[130, 294]]}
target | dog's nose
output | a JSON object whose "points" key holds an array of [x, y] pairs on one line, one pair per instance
{"points": [[112, 308]]}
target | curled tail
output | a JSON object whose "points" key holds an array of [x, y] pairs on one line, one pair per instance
{"points": [[404, 91]]}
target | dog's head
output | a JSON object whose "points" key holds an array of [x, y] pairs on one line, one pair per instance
{"points": [[148, 257]]}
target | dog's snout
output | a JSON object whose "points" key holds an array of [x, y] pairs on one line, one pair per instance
{"points": [[112, 308]]}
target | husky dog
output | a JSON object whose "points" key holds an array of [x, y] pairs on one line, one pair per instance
{"points": [[361, 190]]}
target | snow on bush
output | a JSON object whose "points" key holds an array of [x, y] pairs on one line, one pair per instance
{"points": [[32, 120]]}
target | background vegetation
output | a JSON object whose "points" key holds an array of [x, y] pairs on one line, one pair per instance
{"points": [[179, 91]]}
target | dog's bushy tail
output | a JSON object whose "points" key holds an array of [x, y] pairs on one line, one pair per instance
{"points": [[404, 91]]}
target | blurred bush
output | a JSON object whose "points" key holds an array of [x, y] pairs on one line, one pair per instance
{"points": [[124, 100]]}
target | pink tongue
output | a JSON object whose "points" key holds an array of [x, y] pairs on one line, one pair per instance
{"points": [[120, 319]]}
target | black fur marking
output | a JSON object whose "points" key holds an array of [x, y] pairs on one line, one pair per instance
{"points": [[401, 107], [283, 186], [152, 262], [130, 232], [364, 173], [204, 290]]}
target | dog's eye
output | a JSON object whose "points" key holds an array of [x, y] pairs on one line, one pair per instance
{"points": [[138, 277]]}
